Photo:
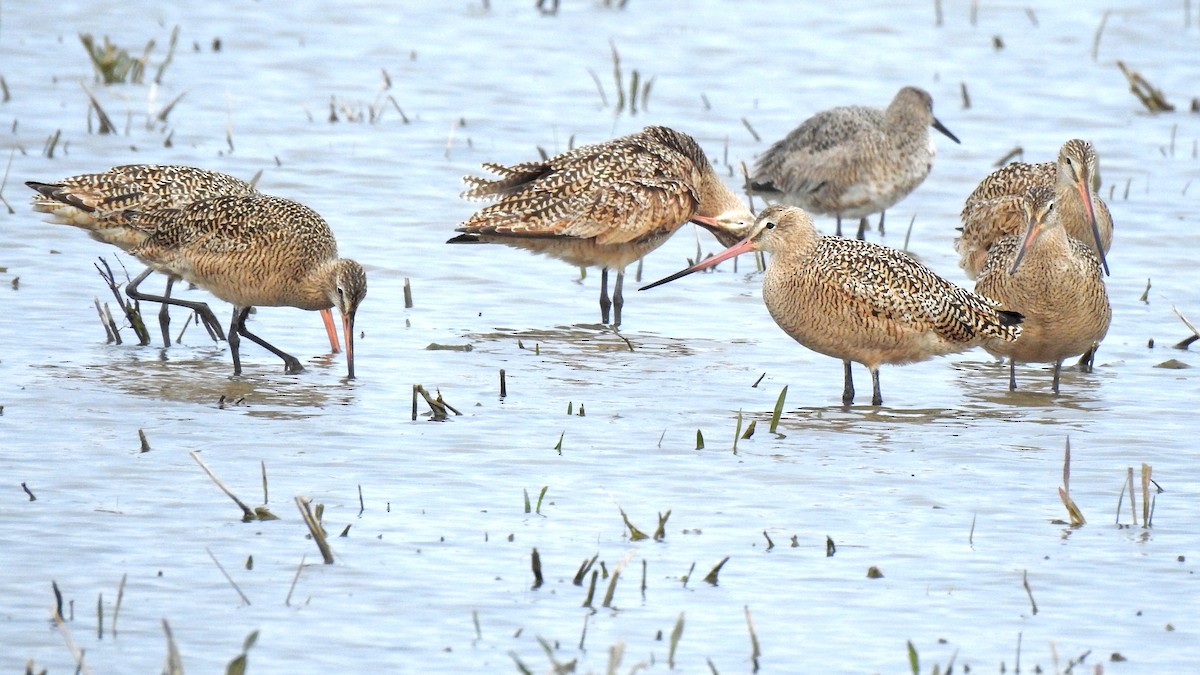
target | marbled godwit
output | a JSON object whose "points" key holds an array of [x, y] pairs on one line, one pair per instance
{"points": [[995, 209], [255, 250], [862, 302], [97, 203], [605, 205], [1051, 278], [853, 161]]}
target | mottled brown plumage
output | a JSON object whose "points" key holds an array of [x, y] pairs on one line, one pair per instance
{"points": [[98, 204], [994, 210], [605, 205], [1051, 278], [853, 161], [251, 251], [862, 302]]}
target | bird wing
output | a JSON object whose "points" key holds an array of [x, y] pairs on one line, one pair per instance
{"points": [[802, 160], [616, 192]]}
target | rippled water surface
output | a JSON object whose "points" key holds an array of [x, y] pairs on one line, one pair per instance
{"points": [[950, 489]]}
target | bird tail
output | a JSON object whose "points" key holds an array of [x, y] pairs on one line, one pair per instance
{"points": [[1008, 318]]}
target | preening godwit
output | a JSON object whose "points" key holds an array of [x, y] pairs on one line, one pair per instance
{"points": [[853, 161], [255, 250], [98, 202], [1053, 280], [994, 210], [605, 205], [859, 301]]}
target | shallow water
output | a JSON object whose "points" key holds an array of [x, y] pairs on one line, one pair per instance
{"points": [[949, 489]]}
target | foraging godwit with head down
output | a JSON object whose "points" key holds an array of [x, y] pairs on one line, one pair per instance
{"points": [[255, 250], [1053, 280], [994, 210], [605, 205], [859, 301], [853, 161], [98, 202]]}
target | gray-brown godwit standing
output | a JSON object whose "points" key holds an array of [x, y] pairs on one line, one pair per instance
{"points": [[853, 161], [255, 250], [98, 202], [1053, 280], [994, 210], [859, 301], [605, 205]]}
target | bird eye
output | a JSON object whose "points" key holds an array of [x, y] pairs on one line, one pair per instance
{"points": [[770, 225]]}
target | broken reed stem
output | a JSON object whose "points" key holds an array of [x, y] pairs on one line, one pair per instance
{"points": [[227, 577], [587, 602], [174, 665], [711, 577], [755, 652], [1064, 493], [536, 564], [247, 512], [612, 588], [108, 317], [660, 532], [408, 303], [676, 633], [106, 125], [634, 533], [503, 385], [263, 465], [1028, 590], [111, 336], [1145, 495], [131, 310], [314, 528], [1099, 32], [288, 600], [117, 607], [753, 133], [583, 569], [1132, 498], [76, 653]]}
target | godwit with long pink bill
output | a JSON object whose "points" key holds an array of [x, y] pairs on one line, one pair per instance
{"points": [[861, 302], [97, 203], [255, 250], [995, 209], [605, 205], [1051, 278], [853, 161]]}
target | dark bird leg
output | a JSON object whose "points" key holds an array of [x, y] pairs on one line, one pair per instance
{"points": [[1088, 360], [1057, 372], [876, 397], [200, 308], [839, 224], [1012, 374], [881, 232], [164, 316], [605, 303], [618, 298], [291, 365], [848, 388], [862, 228], [235, 342]]}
